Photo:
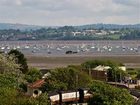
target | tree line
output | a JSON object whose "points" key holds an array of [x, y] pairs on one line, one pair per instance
{"points": [[66, 33]]}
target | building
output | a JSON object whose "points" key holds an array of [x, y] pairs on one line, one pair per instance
{"points": [[123, 68], [100, 72], [69, 97], [33, 88]]}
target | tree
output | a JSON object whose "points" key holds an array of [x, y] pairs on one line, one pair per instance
{"points": [[10, 74], [10, 96], [115, 74], [10, 79], [94, 63], [20, 59], [91, 64], [138, 75], [7, 95], [33, 75], [105, 94], [7, 64], [67, 79], [43, 99]]}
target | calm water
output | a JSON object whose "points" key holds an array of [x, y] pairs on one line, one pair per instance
{"points": [[59, 48]]}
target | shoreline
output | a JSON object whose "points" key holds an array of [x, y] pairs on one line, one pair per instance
{"points": [[52, 62]]}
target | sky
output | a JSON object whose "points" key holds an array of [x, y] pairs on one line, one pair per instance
{"points": [[69, 12]]}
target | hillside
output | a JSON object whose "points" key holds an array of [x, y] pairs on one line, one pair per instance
{"points": [[89, 26], [85, 32], [108, 26], [18, 26]]}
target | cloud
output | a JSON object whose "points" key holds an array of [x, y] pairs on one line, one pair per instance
{"points": [[134, 3], [18, 2], [69, 12]]}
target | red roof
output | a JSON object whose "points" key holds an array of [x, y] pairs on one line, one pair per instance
{"points": [[37, 84]]}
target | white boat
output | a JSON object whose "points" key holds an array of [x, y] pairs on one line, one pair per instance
{"points": [[18, 47], [110, 50], [27, 47], [92, 47], [8, 48], [58, 49], [2, 48]]}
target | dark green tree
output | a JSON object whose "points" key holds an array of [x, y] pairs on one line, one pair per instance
{"points": [[67, 79], [33, 75], [94, 63], [10, 96], [105, 94], [20, 59], [138, 75], [10, 79], [115, 74]]}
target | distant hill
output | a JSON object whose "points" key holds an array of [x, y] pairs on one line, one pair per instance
{"points": [[19, 26], [81, 27], [107, 26], [85, 32]]}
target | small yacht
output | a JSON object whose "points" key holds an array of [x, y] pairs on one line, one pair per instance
{"points": [[2, 48], [27, 47]]}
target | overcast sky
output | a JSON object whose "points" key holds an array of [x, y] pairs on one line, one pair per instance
{"points": [[69, 12]]}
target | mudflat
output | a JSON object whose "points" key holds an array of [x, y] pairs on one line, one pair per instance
{"points": [[51, 62]]}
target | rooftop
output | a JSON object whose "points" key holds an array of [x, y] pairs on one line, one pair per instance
{"points": [[37, 83], [101, 68]]}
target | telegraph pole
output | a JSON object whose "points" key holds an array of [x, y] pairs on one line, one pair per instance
{"points": [[89, 70], [76, 82], [115, 77]]}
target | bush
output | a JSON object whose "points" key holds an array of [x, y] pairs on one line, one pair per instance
{"points": [[67, 79], [105, 94]]}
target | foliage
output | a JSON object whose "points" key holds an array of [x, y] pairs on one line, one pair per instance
{"points": [[20, 59], [43, 99], [7, 81], [113, 74], [138, 75], [23, 86], [33, 75], [10, 79], [66, 33], [10, 74], [10, 96], [94, 63], [134, 34], [67, 79], [7, 96], [134, 72], [105, 94], [7, 64]]}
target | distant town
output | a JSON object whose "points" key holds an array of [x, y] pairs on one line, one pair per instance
{"points": [[86, 32]]}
